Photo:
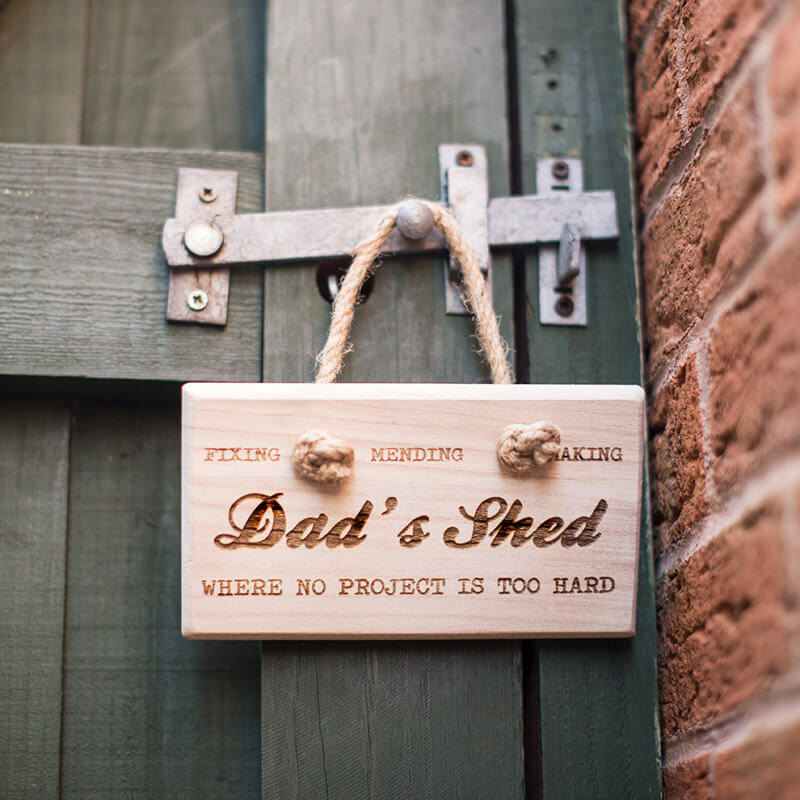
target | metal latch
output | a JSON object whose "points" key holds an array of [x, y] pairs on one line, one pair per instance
{"points": [[207, 237]]}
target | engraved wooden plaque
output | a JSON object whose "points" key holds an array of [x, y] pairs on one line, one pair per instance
{"points": [[431, 537]]}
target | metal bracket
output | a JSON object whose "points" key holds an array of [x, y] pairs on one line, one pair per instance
{"points": [[562, 267], [206, 233], [201, 295], [464, 187]]}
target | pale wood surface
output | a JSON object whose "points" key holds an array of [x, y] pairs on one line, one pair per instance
{"points": [[83, 283], [408, 591], [359, 96], [33, 502], [597, 698], [146, 713]]}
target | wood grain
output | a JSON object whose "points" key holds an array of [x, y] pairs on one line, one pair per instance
{"points": [[359, 96], [430, 537], [33, 509], [597, 698], [42, 67], [146, 713], [384, 84], [83, 283], [187, 74]]}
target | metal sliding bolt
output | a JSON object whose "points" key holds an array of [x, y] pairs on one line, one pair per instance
{"points": [[197, 300], [414, 220], [568, 263]]}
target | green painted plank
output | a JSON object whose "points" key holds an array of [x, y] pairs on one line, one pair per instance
{"points": [[359, 97], [146, 713], [187, 73], [599, 713], [83, 282], [33, 521], [84, 291], [42, 68]]}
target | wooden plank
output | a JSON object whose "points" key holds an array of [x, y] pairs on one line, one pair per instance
{"points": [[382, 86], [42, 44], [597, 698], [188, 74], [83, 283], [33, 510], [146, 713], [360, 95], [431, 535]]}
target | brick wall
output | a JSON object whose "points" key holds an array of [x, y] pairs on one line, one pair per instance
{"points": [[717, 116]]}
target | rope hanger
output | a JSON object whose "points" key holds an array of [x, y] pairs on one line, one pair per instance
{"points": [[324, 458]]}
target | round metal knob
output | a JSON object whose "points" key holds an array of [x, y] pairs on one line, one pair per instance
{"points": [[203, 238], [414, 220]]}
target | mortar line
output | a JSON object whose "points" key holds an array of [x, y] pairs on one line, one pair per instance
{"points": [[765, 131], [779, 476], [683, 84], [726, 299], [769, 711], [754, 54], [703, 372]]}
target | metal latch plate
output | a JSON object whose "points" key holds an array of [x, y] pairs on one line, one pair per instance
{"points": [[561, 304], [201, 295], [464, 184]]}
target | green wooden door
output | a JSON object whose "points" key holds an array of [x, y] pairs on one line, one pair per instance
{"points": [[101, 103]]}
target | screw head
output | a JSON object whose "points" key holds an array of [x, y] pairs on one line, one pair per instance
{"points": [[414, 220], [208, 194], [203, 238], [560, 170], [197, 300], [565, 305], [464, 158]]}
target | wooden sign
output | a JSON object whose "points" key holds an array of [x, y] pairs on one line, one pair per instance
{"points": [[430, 536]]}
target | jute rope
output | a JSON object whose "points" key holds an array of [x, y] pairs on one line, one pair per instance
{"points": [[326, 459], [476, 297]]}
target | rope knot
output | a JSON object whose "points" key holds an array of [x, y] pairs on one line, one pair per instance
{"points": [[523, 447], [322, 458]]}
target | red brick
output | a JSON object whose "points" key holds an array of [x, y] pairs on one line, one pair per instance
{"points": [[716, 35], [657, 103], [767, 766], [689, 780], [724, 622], [706, 230], [676, 455], [640, 16], [784, 93], [754, 365]]}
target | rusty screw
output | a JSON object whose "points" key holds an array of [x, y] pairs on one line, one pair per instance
{"points": [[197, 300], [560, 170], [208, 194], [565, 305], [464, 158]]}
